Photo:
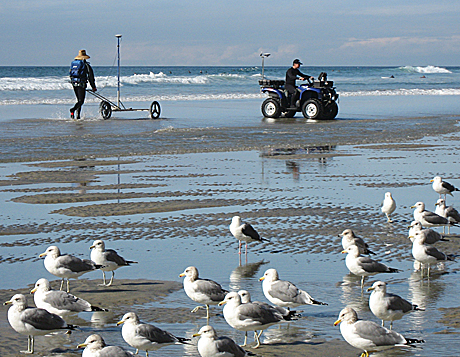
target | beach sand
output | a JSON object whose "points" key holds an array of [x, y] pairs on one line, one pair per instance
{"points": [[164, 195]]}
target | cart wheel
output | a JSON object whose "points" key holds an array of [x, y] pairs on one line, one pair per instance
{"points": [[105, 109], [155, 110]]}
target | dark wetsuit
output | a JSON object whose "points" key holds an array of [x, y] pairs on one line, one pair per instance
{"points": [[80, 90], [291, 75]]}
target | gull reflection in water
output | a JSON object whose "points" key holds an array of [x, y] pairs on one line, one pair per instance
{"points": [[243, 272], [352, 295], [100, 319], [286, 334]]}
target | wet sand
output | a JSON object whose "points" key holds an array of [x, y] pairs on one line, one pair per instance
{"points": [[73, 198]]}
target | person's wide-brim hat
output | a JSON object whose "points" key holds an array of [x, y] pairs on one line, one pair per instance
{"points": [[82, 55]]}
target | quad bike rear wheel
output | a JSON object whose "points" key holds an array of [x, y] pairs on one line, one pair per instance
{"points": [[330, 111], [312, 109], [271, 108]]}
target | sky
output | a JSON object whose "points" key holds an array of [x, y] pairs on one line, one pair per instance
{"points": [[231, 33]]}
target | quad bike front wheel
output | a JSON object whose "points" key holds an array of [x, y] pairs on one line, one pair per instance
{"points": [[105, 109], [271, 108], [330, 111], [154, 110], [312, 109]]}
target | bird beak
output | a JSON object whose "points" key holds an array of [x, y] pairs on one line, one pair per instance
{"points": [[8, 303], [82, 345], [262, 278], [120, 323], [42, 255], [344, 251], [431, 180], [412, 206], [196, 335], [33, 290], [436, 204], [411, 237], [370, 289], [337, 322], [181, 275], [222, 303], [92, 247]]}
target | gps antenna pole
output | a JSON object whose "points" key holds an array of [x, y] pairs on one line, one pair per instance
{"points": [[263, 55], [118, 83]]}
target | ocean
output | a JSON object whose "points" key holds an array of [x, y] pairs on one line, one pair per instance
{"points": [[50, 85]]}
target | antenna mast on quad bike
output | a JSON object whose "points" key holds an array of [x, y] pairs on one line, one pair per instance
{"points": [[263, 55], [118, 56]]}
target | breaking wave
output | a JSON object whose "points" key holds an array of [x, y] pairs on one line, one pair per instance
{"points": [[427, 69]]}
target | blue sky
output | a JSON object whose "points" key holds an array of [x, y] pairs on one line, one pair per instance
{"points": [[202, 32]]}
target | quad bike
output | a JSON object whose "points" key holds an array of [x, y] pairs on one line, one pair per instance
{"points": [[315, 99]]}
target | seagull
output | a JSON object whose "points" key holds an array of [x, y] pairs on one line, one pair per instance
{"points": [[431, 235], [428, 218], [369, 336], [32, 321], [248, 317], [108, 259], [388, 206], [442, 187], [364, 266], [284, 293], [244, 232], [386, 306], [145, 337], [448, 212], [66, 266], [426, 254], [94, 346], [202, 291], [210, 345], [59, 302], [349, 238]]}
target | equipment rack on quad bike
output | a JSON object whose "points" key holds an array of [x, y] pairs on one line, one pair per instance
{"points": [[316, 100]]}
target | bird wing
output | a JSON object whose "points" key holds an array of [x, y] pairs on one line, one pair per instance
{"points": [[447, 186], [249, 231], [285, 291], [379, 335], [372, 266], [41, 319], [397, 303], [112, 256], [453, 214], [210, 288], [74, 264], [258, 314], [432, 251], [64, 301], [155, 334], [114, 351], [434, 218], [225, 344]]}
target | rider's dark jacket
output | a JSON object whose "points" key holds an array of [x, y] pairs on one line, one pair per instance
{"points": [[291, 75]]}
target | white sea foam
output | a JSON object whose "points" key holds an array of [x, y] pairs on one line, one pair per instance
{"points": [[427, 69], [400, 92]]}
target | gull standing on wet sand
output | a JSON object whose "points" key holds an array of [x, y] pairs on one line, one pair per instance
{"points": [[349, 238], [202, 291], [428, 218], [31, 321], [66, 266], [94, 346], [442, 187], [244, 232], [369, 336], [59, 302], [108, 259], [364, 266], [426, 254], [145, 337], [448, 212], [386, 306], [388, 206], [248, 317], [284, 293], [210, 345]]}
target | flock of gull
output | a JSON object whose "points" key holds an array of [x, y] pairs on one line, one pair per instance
{"points": [[239, 311]]}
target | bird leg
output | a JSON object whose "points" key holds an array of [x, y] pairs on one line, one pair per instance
{"points": [[389, 219], [146, 353], [30, 345], [62, 284], [245, 339], [383, 323], [362, 283], [103, 279], [257, 339], [239, 247], [111, 279], [68, 287], [391, 325], [260, 333]]}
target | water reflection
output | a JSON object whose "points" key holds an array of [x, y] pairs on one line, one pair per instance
{"points": [[100, 319], [244, 272], [352, 295]]}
